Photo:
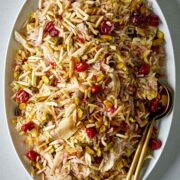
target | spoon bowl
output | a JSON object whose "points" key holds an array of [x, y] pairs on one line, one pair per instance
{"points": [[164, 104]]}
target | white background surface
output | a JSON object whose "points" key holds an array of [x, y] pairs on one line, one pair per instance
{"points": [[168, 167]]}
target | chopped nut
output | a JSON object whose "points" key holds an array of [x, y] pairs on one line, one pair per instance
{"points": [[38, 166], [106, 37], [99, 124], [108, 104], [45, 80], [100, 77], [98, 152], [102, 129], [98, 117], [91, 120], [120, 65], [89, 150], [16, 74], [52, 150], [160, 35], [108, 147], [80, 113], [76, 100], [157, 42], [85, 57], [34, 133], [22, 106]]}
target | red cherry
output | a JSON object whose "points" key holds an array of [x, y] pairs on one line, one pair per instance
{"points": [[155, 144], [49, 27], [96, 89], [94, 77], [81, 40], [27, 127], [54, 32], [106, 27], [51, 30], [154, 105], [111, 110], [155, 49], [144, 69], [32, 155], [91, 132], [107, 54], [138, 19], [80, 67], [123, 126], [97, 160], [22, 96], [153, 20]]}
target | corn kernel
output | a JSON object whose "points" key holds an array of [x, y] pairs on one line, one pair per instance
{"points": [[76, 100], [160, 35], [45, 80], [80, 113], [22, 106], [119, 66], [98, 152], [108, 104], [89, 150]]}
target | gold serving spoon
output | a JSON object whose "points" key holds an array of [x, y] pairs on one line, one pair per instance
{"points": [[141, 151]]}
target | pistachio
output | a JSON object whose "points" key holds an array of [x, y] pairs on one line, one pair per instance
{"points": [[160, 35], [100, 77], [108, 104], [45, 80], [157, 42], [22, 106], [80, 113], [108, 147], [106, 37], [34, 133], [38, 166], [52, 150], [99, 153], [119, 66], [58, 41], [98, 124], [76, 100], [89, 150], [102, 129]]}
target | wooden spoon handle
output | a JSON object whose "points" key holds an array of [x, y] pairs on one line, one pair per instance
{"points": [[144, 151], [137, 154]]}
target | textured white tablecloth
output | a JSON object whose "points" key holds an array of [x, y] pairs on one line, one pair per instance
{"points": [[168, 167]]}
